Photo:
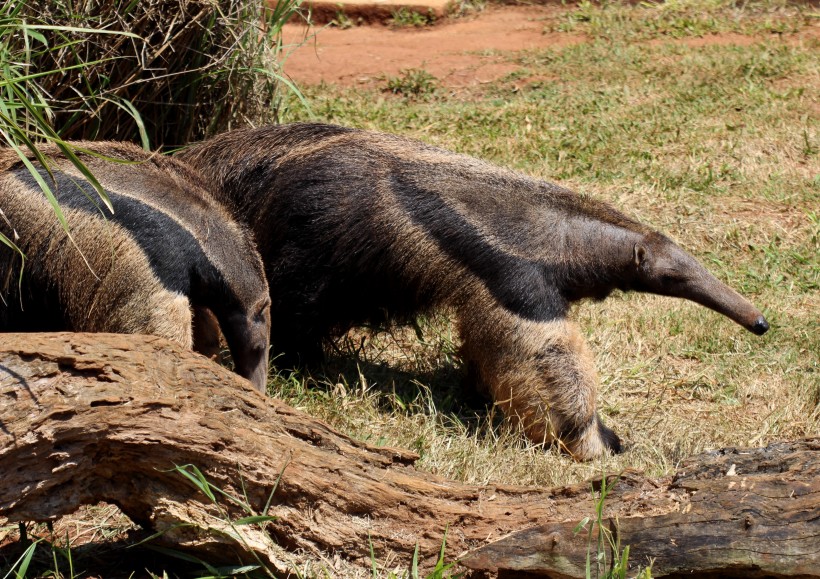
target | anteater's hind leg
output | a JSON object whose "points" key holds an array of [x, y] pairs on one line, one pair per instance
{"points": [[542, 376]]}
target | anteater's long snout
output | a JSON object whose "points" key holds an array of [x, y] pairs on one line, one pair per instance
{"points": [[669, 270], [694, 282], [731, 304], [708, 291]]}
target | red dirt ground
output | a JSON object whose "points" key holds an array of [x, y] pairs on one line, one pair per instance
{"points": [[459, 52]]}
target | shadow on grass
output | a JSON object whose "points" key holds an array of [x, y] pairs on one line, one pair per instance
{"points": [[118, 558], [445, 387]]}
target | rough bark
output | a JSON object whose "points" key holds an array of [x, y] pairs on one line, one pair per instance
{"points": [[97, 417], [744, 513]]}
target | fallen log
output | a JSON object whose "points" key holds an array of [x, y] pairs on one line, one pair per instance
{"points": [[748, 513], [86, 418]]}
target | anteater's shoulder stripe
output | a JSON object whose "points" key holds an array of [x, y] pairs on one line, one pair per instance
{"points": [[169, 188]]}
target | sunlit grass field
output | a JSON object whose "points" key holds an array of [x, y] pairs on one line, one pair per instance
{"points": [[699, 118], [711, 139]]}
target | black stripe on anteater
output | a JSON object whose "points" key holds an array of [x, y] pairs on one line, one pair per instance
{"points": [[175, 256], [520, 285]]}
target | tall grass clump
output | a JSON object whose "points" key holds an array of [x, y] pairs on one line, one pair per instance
{"points": [[161, 72], [26, 112], [190, 68]]}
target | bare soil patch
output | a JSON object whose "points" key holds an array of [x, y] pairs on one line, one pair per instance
{"points": [[460, 52]]}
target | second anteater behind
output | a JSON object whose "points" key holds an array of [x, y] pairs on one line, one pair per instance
{"points": [[361, 227], [168, 248]]}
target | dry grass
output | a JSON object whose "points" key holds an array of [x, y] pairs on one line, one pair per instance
{"points": [[715, 144]]}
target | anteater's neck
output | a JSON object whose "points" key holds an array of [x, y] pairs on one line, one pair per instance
{"points": [[595, 256]]}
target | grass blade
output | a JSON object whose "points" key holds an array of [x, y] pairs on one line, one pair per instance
{"points": [[197, 479], [20, 567], [254, 519]]}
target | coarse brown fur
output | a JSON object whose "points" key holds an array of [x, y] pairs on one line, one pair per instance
{"points": [[362, 227], [167, 248]]}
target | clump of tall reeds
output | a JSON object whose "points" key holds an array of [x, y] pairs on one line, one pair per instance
{"points": [[190, 68]]}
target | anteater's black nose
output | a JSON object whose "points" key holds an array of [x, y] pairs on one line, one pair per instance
{"points": [[761, 326]]}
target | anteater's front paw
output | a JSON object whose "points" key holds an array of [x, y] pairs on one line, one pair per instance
{"points": [[595, 441], [610, 440]]}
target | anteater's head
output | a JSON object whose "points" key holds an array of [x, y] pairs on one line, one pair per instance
{"points": [[232, 284], [247, 332], [659, 266]]}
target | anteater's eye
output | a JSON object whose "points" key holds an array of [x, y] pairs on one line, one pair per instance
{"points": [[263, 305]]}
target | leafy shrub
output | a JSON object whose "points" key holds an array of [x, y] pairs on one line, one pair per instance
{"points": [[407, 18]]}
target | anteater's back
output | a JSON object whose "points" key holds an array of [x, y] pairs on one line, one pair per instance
{"points": [[97, 278], [354, 224]]}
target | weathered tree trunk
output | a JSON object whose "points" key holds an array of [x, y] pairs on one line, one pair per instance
{"points": [[96, 417]]}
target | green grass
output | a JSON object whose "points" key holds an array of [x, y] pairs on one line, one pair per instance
{"points": [[413, 83], [714, 144], [408, 18], [606, 541], [681, 18]]}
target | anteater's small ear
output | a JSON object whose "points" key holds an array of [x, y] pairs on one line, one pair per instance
{"points": [[638, 254]]}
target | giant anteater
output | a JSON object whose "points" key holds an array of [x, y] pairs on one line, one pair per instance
{"points": [[357, 226], [168, 247]]}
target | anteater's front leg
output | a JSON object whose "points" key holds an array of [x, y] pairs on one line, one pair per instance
{"points": [[542, 376], [206, 332]]}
